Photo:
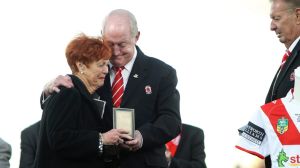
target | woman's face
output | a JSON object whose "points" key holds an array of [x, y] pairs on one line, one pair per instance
{"points": [[95, 73]]}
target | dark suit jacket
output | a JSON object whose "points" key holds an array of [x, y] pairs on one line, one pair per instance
{"points": [[29, 138], [70, 126], [280, 87], [284, 83], [157, 114], [190, 151]]}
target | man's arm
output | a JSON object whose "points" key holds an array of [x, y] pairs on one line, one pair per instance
{"points": [[167, 124], [53, 86]]}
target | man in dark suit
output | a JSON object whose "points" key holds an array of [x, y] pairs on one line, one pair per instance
{"points": [[29, 138], [285, 23], [149, 89], [187, 149]]}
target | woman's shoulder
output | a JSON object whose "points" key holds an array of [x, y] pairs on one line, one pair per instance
{"points": [[65, 95], [68, 91]]}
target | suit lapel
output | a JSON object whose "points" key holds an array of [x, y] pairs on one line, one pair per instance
{"points": [[86, 95], [137, 75], [105, 92], [287, 65], [285, 69]]}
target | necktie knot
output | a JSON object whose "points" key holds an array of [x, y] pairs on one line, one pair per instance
{"points": [[285, 57], [118, 69]]}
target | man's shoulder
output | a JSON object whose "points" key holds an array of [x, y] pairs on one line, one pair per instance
{"points": [[3, 143], [191, 128], [157, 64], [5, 153], [5, 147], [153, 60], [32, 128]]}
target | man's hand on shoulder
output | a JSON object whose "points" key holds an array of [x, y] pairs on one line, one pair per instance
{"points": [[53, 85]]}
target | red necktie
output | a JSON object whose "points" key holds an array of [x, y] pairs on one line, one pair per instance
{"points": [[284, 58], [173, 144], [117, 87]]}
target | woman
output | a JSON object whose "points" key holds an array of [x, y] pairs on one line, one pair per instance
{"points": [[71, 124]]}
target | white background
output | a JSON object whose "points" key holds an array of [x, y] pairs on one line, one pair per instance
{"points": [[224, 53]]}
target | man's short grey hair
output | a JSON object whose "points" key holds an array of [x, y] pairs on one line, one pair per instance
{"points": [[122, 12], [291, 3]]}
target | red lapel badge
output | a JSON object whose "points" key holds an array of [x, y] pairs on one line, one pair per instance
{"points": [[148, 89]]}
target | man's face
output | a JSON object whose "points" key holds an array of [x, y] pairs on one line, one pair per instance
{"points": [[117, 33], [284, 22]]}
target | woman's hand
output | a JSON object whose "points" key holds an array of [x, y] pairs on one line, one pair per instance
{"points": [[115, 136]]}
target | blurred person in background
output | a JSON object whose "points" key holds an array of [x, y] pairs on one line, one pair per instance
{"points": [[5, 154], [29, 139], [187, 149]]}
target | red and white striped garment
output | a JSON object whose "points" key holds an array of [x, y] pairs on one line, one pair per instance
{"points": [[274, 130]]}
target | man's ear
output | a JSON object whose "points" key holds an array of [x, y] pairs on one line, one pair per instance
{"points": [[137, 36], [297, 10]]}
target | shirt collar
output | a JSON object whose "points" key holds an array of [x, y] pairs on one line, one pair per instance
{"points": [[294, 44], [129, 65]]}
